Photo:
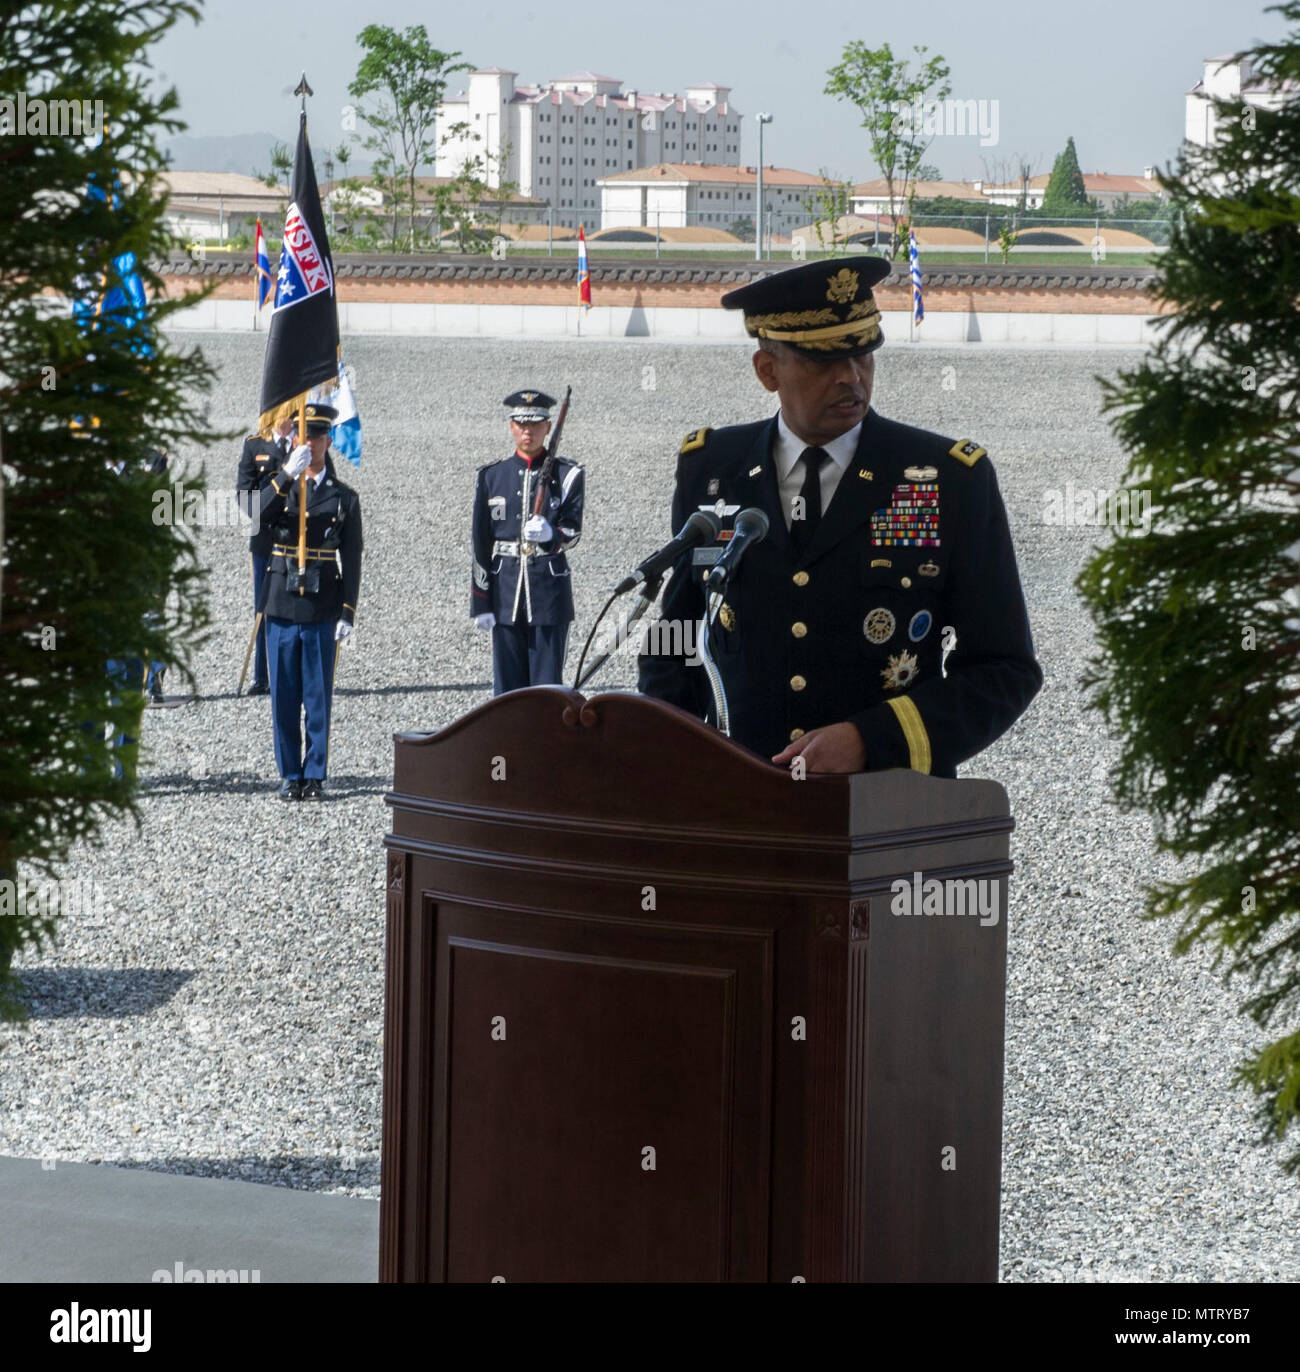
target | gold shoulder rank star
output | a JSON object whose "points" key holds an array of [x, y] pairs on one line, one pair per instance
{"points": [[694, 440], [967, 450]]}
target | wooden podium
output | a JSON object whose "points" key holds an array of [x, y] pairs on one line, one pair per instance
{"points": [[651, 1015]]}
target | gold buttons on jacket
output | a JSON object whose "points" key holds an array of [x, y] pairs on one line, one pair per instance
{"points": [[801, 578], [905, 582], [799, 629], [795, 734], [797, 683]]}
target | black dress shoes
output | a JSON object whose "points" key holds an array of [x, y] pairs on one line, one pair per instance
{"points": [[291, 789], [259, 688], [313, 789]]}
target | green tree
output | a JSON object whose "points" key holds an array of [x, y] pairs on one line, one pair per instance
{"points": [[408, 79], [1066, 195], [467, 202], [888, 95], [1198, 627], [84, 560], [826, 206]]}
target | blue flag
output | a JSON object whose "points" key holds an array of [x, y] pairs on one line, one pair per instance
{"points": [[918, 309]]}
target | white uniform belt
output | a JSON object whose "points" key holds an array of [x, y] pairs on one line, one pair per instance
{"points": [[500, 549]]}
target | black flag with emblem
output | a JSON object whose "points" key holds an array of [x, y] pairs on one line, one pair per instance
{"points": [[302, 345]]}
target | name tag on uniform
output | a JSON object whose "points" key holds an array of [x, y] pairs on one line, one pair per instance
{"points": [[497, 506], [705, 557]]}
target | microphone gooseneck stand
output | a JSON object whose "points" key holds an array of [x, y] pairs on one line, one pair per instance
{"points": [[647, 597], [721, 713]]}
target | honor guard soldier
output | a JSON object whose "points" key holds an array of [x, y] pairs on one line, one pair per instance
{"points": [[309, 613], [259, 461], [880, 623], [520, 587]]}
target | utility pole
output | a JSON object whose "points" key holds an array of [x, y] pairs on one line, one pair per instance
{"points": [[758, 213]]}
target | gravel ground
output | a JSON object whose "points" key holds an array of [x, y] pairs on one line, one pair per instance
{"points": [[224, 1016]]}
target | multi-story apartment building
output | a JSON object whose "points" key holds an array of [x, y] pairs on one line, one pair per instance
{"points": [[557, 140]]}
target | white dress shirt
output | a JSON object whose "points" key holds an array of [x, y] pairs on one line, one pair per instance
{"points": [[787, 451]]}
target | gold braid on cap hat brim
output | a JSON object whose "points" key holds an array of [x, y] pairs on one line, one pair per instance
{"points": [[825, 339], [827, 332]]}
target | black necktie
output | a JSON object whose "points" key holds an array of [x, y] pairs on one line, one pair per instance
{"points": [[802, 530]]}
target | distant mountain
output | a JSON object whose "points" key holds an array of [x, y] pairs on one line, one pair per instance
{"points": [[249, 153]]}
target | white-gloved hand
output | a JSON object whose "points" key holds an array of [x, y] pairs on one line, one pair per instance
{"points": [[342, 631], [487, 621], [298, 461], [538, 530]]}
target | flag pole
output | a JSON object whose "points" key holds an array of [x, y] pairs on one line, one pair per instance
{"points": [[302, 90], [302, 501]]}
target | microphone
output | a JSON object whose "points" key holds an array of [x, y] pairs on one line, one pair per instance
{"points": [[751, 527], [702, 527]]}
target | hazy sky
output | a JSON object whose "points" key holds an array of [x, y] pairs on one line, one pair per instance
{"points": [[1111, 72]]}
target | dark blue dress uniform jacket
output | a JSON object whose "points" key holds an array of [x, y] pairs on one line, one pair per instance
{"points": [[333, 525], [855, 629], [259, 461], [504, 495]]}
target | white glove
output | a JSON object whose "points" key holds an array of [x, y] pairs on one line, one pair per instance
{"points": [[342, 631], [299, 460], [538, 530], [487, 621]]}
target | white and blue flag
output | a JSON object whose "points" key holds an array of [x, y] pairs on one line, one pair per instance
{"points": [[918, 307], [345, 436]]}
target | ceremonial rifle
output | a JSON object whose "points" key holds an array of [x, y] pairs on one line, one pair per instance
{"points": [[552, 452]]}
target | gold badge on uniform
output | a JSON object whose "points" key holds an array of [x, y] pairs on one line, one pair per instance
{"points": [[901, 671], [879, 625], [727, 617], [866, 475], [925, 569], [881, 562], [920, 473]]}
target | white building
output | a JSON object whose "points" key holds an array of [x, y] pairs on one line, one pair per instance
{"points": [[557, 140], [1227, 78], [674, 195], [220, 205], [1108, 189], [872, 197]]}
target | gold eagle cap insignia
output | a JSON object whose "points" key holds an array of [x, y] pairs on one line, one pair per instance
{"points": [[530, 396], [842, 287]]}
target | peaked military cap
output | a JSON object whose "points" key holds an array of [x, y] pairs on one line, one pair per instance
{"points": [[527, 407], [823, 309], [320, 418]]}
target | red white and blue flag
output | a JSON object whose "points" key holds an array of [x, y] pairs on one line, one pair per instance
{"points": [[584, 275], [304, 272], [264, 286], [302, 342]]}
